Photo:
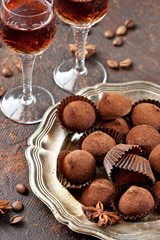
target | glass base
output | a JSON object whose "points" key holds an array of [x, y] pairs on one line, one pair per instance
{"points": [[15, 108], [72, 81]]}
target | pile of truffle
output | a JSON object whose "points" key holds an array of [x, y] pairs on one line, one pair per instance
{"points": [[122, 137]]}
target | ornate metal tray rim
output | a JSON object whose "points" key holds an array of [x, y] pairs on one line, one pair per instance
{"points": [[36, 170]]}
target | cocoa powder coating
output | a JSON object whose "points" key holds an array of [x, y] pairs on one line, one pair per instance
{"points": [[156, 193], [146, 113], [113, 106], [154, 159], [136, 201], [145, 136], [78, 116], [98, 143], [78, 167], [99, 190], [119, 124]]}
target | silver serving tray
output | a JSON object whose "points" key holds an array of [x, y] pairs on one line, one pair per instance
{"points": [[43, 148]]}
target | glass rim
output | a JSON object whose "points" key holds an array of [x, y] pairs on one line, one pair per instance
{"points": [[36, 15]]}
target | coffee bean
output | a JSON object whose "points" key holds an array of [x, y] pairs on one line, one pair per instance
{"points": [[129, 23], [126, 63], [19, 66], [17, 206], [6, 71], [109, 33], [0, 44], [117, 42], [21, 188], [112, 64], [15, 219], [121, 30], [1, 91]]}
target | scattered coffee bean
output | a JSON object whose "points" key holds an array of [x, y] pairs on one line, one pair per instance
{"points": [[112, 64], [126, 63], [89, 49], [15, 219], [1, 91], [72, 48], [17, 206], [121, 30], [19, 66], [129, 23], [117, 42], [6, 71], [109, 33], [21, 188]]}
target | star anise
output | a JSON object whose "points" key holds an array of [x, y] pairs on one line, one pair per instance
{"points": [[101, 217], [4, 208]]}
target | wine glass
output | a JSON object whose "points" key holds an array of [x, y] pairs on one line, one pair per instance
{"points": [[81, 15], [27, 27]]}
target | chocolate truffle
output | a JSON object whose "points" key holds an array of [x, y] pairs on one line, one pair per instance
{"points": [[119, 124], [99, 190], [146, 113], [146, 136], [154, 159], [136, 201], [78, 167], [156, 193], [113, 106], [78, 116], [98, 144]]}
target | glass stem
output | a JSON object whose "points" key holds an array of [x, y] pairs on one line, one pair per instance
{"points": [[27, 61], [80, 37]]}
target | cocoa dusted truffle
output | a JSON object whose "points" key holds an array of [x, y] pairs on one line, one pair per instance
{"points": [[136, 201], [154, 159], [146, 113], [156, 193], [99, 190], [146, 136], [98, 144], [78, 167], [78, 116], [119, 124], [113, 106]]}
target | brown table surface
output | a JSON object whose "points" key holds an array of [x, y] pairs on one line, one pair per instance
{"points": [[141, 45]]}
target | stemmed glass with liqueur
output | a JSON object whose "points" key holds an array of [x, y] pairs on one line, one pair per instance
{"points": [[81, 15], [27, 27]]}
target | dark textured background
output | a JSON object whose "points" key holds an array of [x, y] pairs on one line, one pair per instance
{"points": [[141, 45]]}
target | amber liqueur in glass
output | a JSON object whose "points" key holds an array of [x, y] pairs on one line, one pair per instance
{"points": [[81, 11], [27, 26]]}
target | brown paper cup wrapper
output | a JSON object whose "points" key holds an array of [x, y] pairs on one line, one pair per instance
{"points": [[152, 101], [117, 153], [127, 128], [60, 176], [114, 205], [65, 102], [118, 137], [137, 170]]}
